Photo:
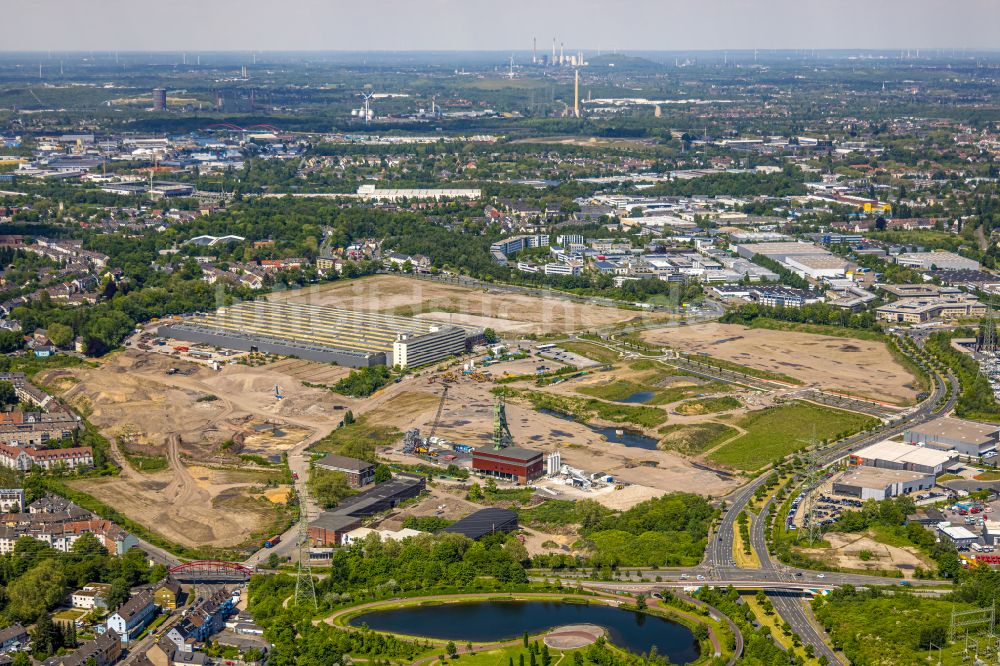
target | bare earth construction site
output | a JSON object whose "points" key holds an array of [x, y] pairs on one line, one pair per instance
{"points": [[202, 464], [849, 365]]}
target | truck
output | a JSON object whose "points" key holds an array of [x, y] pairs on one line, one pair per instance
{"points": [[272, 542]]}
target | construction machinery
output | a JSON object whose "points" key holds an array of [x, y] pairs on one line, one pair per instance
{"points": [[437, 414]]}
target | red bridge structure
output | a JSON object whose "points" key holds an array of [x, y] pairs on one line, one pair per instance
{"points": [[211, 571]]}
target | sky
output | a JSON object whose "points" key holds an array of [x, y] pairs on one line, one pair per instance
{"points": [[495, 25]]}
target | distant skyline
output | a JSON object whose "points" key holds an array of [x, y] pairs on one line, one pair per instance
{"points": [[408, 25]]}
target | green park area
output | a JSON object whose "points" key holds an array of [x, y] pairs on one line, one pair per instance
{"points": [[776, 432]]}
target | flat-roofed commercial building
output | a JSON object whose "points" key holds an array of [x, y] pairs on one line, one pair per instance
{"points": [[511, 463], [939, 259], [320, 333], [878, 484], [958, 535], [968, 438], [413, 351], [927, 290], [329, 528], [779, 251], [918, 310], [817, 266], [895, 455], [370, 193]]}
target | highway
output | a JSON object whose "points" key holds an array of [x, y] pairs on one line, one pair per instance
{"points": [[779, 580], [785, 585]]}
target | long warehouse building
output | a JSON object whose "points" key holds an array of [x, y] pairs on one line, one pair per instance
{"points": [[325, 334]]}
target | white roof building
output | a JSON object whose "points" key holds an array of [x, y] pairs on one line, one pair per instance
{"points": [[896, 455]]}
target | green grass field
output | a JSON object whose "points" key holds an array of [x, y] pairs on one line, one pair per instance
{"points": [[588, 409], [776, 432], [614, 391], [357, 440]]}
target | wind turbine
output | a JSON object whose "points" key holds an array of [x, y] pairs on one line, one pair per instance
{"points": [[367, 96]]}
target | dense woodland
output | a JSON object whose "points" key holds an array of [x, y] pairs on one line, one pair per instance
{"points": [[670, 530]]}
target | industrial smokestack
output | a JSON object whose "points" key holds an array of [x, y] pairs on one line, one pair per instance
{"points": [[576, 95]]}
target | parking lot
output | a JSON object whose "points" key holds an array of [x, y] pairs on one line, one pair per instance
{"points": [[827, 510]]}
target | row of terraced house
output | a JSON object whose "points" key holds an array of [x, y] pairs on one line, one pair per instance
{"points": [[59, 523], [24, 435]]}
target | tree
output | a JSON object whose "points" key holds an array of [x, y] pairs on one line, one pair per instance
{"points": [[525, 640], [451, 650], [382, 473], [348, 417], [88, 546], [46, 637], [490, 336], [476, 494], [329, 487], [640, 601], [38, 590], [119, 593], [21, 659], [8, 396], [60, 335]]}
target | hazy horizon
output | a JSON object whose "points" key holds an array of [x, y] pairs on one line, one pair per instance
{"points": [[475, 25]]}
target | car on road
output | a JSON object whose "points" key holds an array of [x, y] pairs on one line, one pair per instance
{"points": [[700, 577], [684, 576], [820, 575], [295, 475]]}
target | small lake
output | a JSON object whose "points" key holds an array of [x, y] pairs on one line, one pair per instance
{"points": [[639, 398], [626, 438], [489, 621]]}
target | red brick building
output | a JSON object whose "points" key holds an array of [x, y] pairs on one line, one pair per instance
{"points": [[512, 463]]}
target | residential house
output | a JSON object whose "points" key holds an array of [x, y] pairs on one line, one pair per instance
{"points": [[167, 594], [165, 654], [91, 595], [11, 500], [27, 458], [207, 616], [133, 616], [13, 638], [105, 650]]}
